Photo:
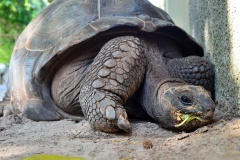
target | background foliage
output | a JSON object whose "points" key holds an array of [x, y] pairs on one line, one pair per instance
{"points": [[14, 16]]}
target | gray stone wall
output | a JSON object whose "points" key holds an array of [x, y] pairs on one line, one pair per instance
{"points": [[179, 12], [215, 25]]}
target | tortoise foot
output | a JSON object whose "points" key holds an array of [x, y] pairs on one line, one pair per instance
{"points": [[7, 109], [104, 111], [4, 109]]}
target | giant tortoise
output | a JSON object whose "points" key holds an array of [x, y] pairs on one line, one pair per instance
{"points": [[107, 59]]}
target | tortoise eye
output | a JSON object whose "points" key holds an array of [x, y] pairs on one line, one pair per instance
{"points": [[185, 100]]}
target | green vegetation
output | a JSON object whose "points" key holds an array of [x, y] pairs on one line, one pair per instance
{"points": [[52, 157], [186, 118], [14, 16]]}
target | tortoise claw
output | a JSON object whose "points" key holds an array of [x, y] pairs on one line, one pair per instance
{"points": [[124, 124], [5, 109]]}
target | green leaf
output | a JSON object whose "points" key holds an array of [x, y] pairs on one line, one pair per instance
{"points": [[186, 118], [52, 157]]}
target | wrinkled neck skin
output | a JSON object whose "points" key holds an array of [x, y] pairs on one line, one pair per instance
{"points": [[157, 79]]}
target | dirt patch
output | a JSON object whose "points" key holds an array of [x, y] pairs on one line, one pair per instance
{"points": [[21, 137]]}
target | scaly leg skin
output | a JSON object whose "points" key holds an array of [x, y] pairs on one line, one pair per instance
{"points": [[193, 70], [5, 107], [113, 77]]}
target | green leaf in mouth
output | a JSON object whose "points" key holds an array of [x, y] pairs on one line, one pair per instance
{"points": [[186, 118]]}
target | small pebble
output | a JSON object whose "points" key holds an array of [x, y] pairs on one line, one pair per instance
{"points": [[183, 136], [203, 129], [147, 144]]}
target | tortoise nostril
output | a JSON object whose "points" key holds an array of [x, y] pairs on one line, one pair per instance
{"points": [[207, 103], [208, 109], [201, 108], [204, 108]]}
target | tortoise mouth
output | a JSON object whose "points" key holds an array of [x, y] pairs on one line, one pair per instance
{"points": [[190, 122], [184, 119]]}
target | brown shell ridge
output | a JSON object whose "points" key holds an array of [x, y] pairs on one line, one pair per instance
{"points": [[104, 24], [99, 9]]}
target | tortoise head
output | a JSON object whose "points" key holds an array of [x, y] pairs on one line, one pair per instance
{"points": [[185, 107]]}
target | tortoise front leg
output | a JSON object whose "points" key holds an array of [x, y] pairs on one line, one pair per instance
{"points": [[5, 107], [113, 77]]}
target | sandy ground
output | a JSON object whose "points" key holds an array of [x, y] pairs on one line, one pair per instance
{"points": [[21, 137]]}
